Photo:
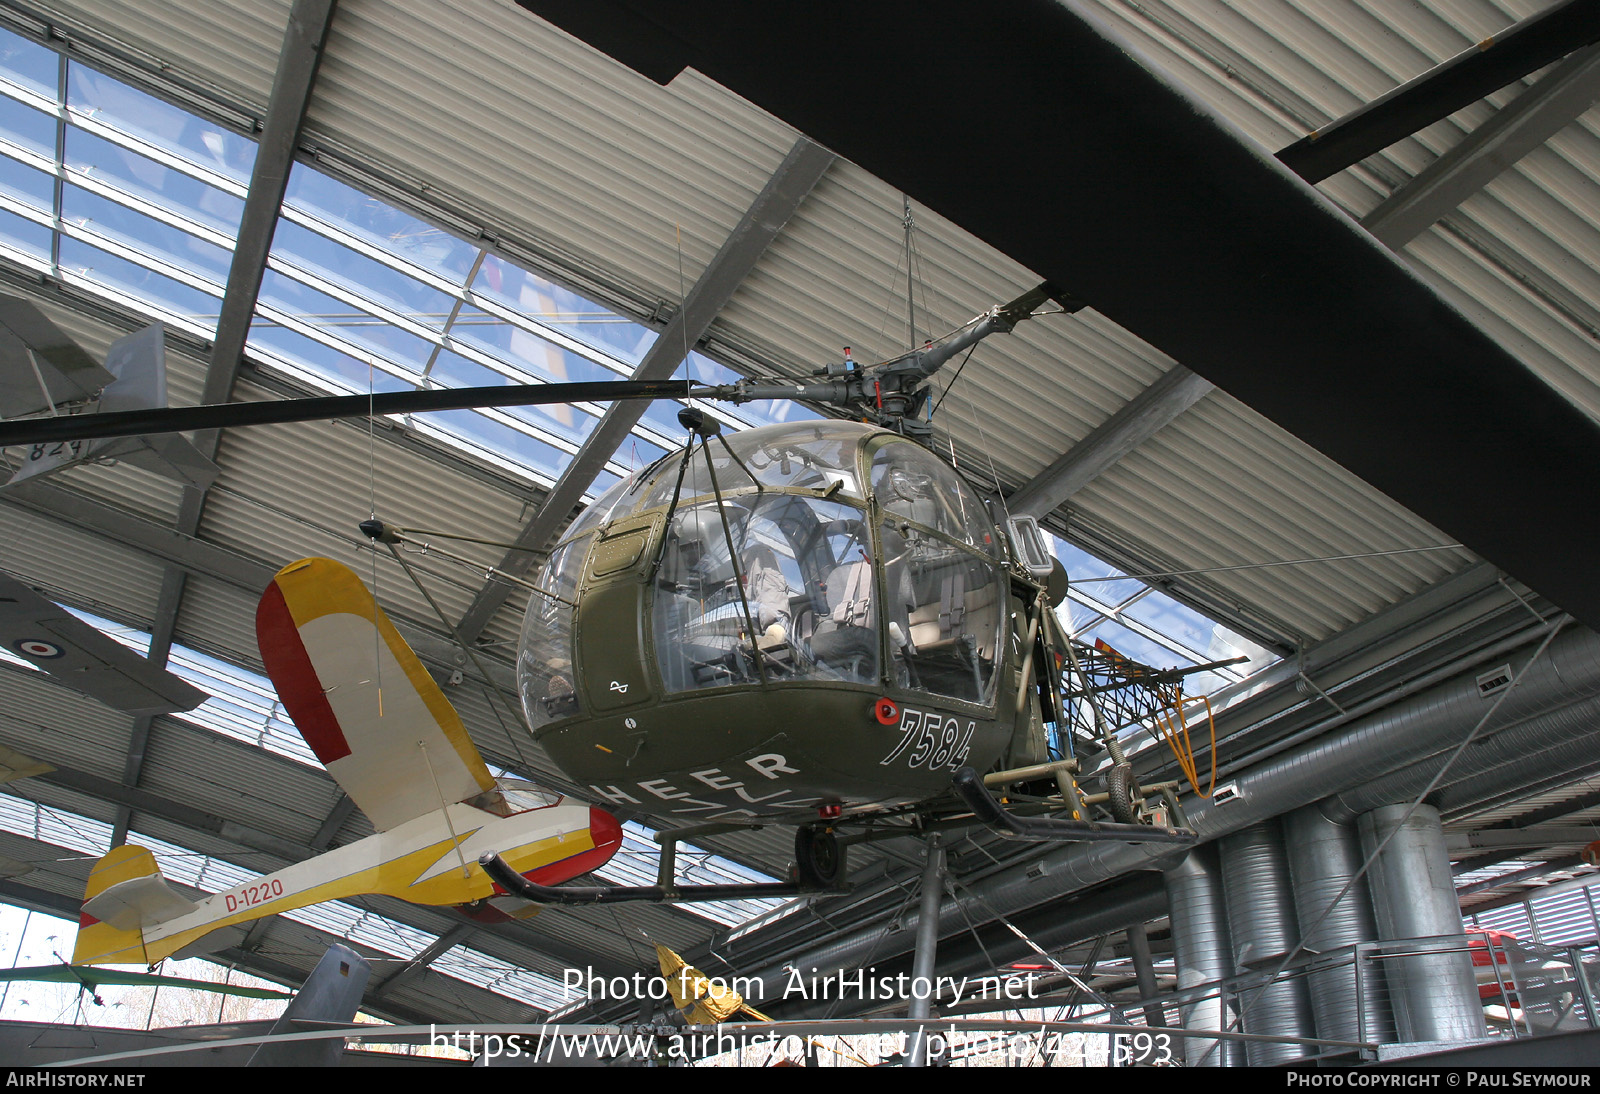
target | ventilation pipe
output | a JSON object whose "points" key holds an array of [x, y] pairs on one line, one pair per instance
{"points": [[1203, 955], [1361, 752], [1435, 994], [1261, 924], [1324, 856], [1524, 754]]}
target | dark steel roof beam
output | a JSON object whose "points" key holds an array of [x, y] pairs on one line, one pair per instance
{"points": [[166, 621], [1527, 123], [257, 934], [303, 42], [801, 169], [195, 556], [1349, 353], [198, 820], [334, 821], [1136, 422], [1470, 75], [1539, 836], [1566, 862], [1538, 816]]}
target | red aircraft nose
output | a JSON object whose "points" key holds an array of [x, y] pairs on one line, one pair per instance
{"points": [[606, 832]]}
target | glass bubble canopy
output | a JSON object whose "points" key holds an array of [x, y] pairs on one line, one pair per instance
{"points": [[844, 552]]}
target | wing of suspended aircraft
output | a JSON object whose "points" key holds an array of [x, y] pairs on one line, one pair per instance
{"points": [[40, 367], [55, 641], [136, 374], [69, 974], [361, 698]]}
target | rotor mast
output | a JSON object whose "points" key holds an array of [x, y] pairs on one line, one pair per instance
{"points": [[895, 393]]}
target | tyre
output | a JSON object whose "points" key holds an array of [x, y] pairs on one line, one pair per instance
{"points": [[1119, 788], [818, 857]]}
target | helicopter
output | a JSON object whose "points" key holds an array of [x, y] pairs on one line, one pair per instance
{"points": [[819, 624], [816, 624]]}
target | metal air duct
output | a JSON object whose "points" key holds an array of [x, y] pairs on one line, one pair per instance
{"points": [[1324, 856], [1203, 955], [1360, 752], [1261, 924], [1435, 994]]}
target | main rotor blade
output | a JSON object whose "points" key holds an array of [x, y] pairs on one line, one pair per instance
{"points": [[139, 423]]}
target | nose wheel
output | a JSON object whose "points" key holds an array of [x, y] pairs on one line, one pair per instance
{"points": [[818, 857]]}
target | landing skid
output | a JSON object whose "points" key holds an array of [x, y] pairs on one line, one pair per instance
{"points": [[517, 885], [970, 789], [819, 864]]}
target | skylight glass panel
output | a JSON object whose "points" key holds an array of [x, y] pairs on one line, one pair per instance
{"points": [[29, 65], [1184, 625], [29, 239], [522, 349], [1089, 575], [64, 829], [164, 296], [393, 230], [476, 967], [203, 143], [27, 128], [1132, 617], [145, 234], [603, 482], [636, 452], [565, 420], [570, 422], [141, 177], [499, 438], [27, 185], [703, 370], [324, 364], [385, 285], [192, 868], [534, 296], [341, 321], [1130, 644], [1077, 616]]}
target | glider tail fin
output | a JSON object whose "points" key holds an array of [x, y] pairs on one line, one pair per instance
{"points": [[126, 893]]}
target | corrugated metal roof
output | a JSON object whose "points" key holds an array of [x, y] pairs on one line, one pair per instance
{"points": [[565, 147]]}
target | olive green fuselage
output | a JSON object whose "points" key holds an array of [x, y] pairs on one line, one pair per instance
{"points": [[843, 633], [779, 748]]}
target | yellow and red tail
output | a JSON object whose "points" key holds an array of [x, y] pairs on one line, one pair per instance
{"points": [[126, 893]]}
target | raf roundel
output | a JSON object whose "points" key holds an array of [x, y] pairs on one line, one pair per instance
{"points": [[36, 647]]}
